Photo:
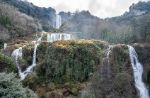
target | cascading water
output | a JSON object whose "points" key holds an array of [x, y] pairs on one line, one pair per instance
{"points": [[108, 52], [58, 21], [138, 71], [18, 54], [58, 36], [5, 46]]}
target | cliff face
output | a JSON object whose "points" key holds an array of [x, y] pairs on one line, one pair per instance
{"points": [[83, 68], [71, 68]]}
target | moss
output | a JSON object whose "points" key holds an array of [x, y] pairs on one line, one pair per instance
{"points": [[120, 58], [7, 64], [28, 54], [62, 66], [72, 60], [31, 81], [114, 78], [123, 84]]}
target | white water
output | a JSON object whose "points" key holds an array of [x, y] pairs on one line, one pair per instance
{"points": [[58, 21], [58, 36], [17, 53], [138, 71], [108, 52], [5, 46]]}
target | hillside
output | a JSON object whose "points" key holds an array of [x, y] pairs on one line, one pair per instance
{"points": [[132, 26], [14, 24], [46, 16]]}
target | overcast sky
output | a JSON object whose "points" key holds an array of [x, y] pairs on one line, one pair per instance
{"points": [[100, 8]]}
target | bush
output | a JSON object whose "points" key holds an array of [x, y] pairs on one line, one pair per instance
{"points": [[10, 87], [7, 64]]}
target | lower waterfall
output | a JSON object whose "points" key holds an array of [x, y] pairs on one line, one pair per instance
{"points": [[17, 53], [138, 71]]}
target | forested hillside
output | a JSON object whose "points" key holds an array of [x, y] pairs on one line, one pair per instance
{"points": [[14, 24], [46, 16], [131, 27]]}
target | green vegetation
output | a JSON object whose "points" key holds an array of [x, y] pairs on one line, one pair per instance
{"points": [[1, 44], [5, 21], [72, 61], [7, 64], [15, 24], [44, 15], [64, 66], [115, 78], [10, 87]]}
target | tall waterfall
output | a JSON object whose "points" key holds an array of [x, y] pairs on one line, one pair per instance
{"points": [[138, 71], [17, 53], [58, 21], [58, 36]]}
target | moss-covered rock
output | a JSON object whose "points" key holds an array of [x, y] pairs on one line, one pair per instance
{"points": [[72, 60], [63, 65], [115, 77]]}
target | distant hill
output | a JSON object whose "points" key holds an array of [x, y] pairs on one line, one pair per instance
{"points": [[130, 27]]}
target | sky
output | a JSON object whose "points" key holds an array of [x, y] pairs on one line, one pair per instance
{"points": [[100, 8]]}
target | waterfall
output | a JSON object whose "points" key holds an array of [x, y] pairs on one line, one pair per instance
{"points": [[108, 52], [58, 21], [17, 53], [58, 36], [138, 71], [5, 46]]}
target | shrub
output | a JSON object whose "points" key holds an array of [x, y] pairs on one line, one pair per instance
{"points": [[7, 64], [10, 87]]}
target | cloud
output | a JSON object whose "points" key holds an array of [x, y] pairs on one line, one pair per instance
{"points": [[100, 8]]}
